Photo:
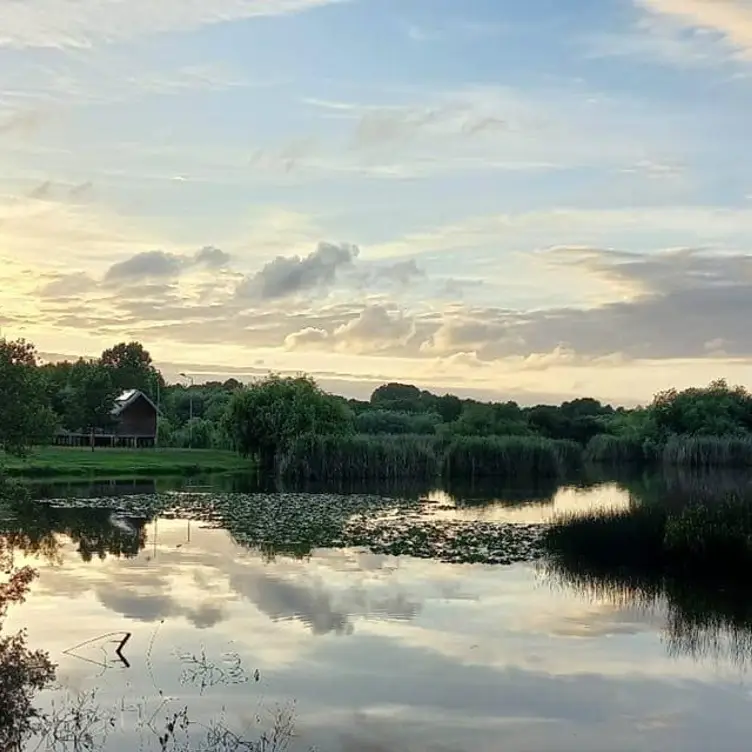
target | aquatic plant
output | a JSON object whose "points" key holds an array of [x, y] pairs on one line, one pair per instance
{"points": [[509, 456], [700, 538], [614, 450], [709, 451], [359, 457], [609, 538]]}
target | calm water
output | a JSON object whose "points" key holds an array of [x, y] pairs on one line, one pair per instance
{"points": [[375, 653]]}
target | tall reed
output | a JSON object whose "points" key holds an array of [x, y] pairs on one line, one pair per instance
{"points": [[709, 451], [508, 457], [335, 458], [703, 539], [616, 450]]}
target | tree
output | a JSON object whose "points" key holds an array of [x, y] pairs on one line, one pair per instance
{"points": [[400, 397], [26, 417], [264, 419], [132, 368], [91, 396]]}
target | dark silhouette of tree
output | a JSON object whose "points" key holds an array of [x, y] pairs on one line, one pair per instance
{"points": [[26, 417]]}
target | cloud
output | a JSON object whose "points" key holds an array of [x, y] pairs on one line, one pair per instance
{"points": [[401, 272], [731, 19], [57, 23], [147, 265], [150, 265], [21, 123], [212, 258], [290, 275], [375, 329], [68, 285], [42, 191], [310, 337]]}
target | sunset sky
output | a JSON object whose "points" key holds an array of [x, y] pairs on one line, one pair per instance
{"points": [[530, 200]]}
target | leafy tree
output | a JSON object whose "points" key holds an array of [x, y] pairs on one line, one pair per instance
{"points": [[91, 395], [715, 410], [449, 407], [26, 417], [399, 397], [132, 368], [265, 418]]}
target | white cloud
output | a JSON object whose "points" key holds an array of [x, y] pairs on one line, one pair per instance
{"points": [[57, 23]]}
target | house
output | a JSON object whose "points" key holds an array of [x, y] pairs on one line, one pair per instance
{"points": [[135, 418], [133, 424]]}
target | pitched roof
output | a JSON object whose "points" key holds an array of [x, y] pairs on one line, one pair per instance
{"points": [[127, 398]]}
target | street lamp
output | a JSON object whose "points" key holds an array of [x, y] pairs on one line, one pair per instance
{"points": [[190, 423]]}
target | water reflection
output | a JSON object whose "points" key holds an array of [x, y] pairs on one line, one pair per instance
{"points": [[384, 652], [375, 650]]}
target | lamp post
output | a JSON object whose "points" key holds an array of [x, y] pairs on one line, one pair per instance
{"points": [[190, 395]]}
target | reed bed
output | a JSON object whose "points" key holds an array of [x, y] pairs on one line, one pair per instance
{"points": [[610, 539], [336, 458], [616, 450], [509, 457], [360, 457], [702, 539], [709, 451]]}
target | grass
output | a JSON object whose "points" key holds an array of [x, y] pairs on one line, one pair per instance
{"points": [[82, 462]]}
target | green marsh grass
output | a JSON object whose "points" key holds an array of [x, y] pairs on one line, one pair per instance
{"points": [[332, 458], [709, 451], [617, 450], [360, 457], [509, 457]]}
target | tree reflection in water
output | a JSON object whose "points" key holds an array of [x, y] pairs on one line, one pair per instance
{"points": [[23, 672]]}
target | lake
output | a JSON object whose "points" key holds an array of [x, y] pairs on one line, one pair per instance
{"points": [[368, 651]]}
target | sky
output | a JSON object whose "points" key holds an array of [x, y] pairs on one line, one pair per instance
{"points": [[531, 201]]}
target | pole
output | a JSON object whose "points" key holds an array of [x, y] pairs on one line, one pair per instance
{"points": [[190, 401]]}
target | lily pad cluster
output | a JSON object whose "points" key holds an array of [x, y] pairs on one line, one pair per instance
{"points": [[297, 523]]}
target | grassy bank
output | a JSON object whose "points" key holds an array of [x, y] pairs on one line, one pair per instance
{"points": [[334, 458], [700, 539], [112, 463]]}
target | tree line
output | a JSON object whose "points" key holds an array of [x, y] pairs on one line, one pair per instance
{"points": [[262, 417]]}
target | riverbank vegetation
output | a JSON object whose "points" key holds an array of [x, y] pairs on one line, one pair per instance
{"points": [[698, 539], [290, 423]]}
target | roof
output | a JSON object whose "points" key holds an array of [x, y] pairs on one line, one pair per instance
{"points": [[127, 398]]}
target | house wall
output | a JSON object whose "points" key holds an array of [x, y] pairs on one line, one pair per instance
{"points": [[138, 419]]}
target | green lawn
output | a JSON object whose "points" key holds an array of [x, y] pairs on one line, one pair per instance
{"points": [[51, 461]]}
